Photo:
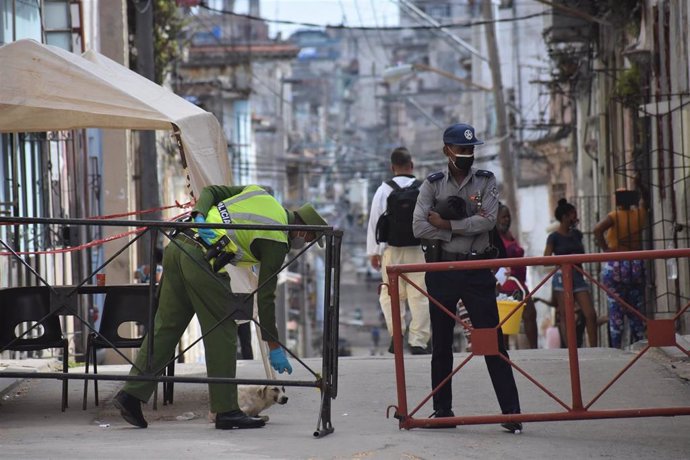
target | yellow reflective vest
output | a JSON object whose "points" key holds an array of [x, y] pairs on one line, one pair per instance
{"points": [[252, 206]]}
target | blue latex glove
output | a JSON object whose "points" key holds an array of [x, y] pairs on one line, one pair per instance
{"points": [[205, 234], [279, 361]]}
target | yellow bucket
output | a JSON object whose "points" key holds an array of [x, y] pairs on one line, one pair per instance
{"points": [[512, 326]]}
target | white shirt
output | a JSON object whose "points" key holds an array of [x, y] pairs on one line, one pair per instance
{"points": [[378, 207]]}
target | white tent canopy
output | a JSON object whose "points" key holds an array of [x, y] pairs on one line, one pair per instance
{"points": [[45, 88]]}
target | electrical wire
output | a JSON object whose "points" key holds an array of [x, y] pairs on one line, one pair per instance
{"points": [[378, 28], [364, 33], [331, 136], [343, 26]]}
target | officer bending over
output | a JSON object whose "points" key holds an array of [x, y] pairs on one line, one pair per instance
{"points": [[187, 288], [466, 238]]}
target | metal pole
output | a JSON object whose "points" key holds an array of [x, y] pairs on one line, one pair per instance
{"points": [[148, 189], [507, 166], [393, 286], [567, 271]]}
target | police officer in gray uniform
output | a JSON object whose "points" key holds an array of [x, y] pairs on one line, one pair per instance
{"points": [[466, 238]]}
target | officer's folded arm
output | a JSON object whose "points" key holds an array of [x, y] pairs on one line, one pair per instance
{"points": [[472, 225], [422, 228], [437, 221]]}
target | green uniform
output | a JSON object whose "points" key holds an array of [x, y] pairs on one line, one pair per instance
{"points": [[188, 289]]}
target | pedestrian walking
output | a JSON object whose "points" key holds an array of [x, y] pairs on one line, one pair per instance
{"points": [[390, 241], [567, 239], [375, 339], [621, 230]]}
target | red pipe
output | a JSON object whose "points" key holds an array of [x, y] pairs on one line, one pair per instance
{"points": [[538, 261], [398, 343], [410, 422], [571, 333]]}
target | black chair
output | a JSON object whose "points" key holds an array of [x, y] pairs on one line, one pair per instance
{"points": [[123, 304], [27, 306]]}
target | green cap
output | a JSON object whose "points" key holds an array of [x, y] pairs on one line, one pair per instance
{"points": [[309, 216]]}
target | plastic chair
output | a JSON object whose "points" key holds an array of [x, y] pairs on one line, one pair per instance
{"points": [[123, 304], [30, 304]]}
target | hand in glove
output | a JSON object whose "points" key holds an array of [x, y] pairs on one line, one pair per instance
{"points": [[279, 361], [205, 234]]}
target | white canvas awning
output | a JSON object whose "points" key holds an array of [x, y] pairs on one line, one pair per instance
{"points": [[45, 88]]}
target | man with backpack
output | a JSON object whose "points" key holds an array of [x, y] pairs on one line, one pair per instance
{"points": [[390, 241]]}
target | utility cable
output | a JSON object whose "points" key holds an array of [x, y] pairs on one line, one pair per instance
{"points": [[342, 26]]}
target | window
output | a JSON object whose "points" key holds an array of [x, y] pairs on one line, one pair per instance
{"points": [[25, 14], [439, 12], [61, 19]]}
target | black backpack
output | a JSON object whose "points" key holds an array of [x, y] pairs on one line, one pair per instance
{"points": [[395, 225]]}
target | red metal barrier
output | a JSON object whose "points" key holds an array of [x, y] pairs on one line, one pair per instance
{"points": [[660, 333]]}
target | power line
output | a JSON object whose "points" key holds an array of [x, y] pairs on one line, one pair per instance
{"points": [[376, 23], [452, 25]]}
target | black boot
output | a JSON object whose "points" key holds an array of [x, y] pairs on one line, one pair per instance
{"points": [[237, 419], [513, 427], [130, 409]]}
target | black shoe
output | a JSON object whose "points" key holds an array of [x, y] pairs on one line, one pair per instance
{"points": [[130, 409], [420, 350], [391, 348], [513, 427], [442, 413], [237, 419]]}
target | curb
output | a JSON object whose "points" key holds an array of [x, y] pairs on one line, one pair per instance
{"points": [[23, 365], [671, 352], [674, 352]]}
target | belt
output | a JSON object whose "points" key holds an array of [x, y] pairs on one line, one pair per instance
{"points": [[190, 236], [447, 256]]}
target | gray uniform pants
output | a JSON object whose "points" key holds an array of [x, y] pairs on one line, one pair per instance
{"points": [[187, 289]]}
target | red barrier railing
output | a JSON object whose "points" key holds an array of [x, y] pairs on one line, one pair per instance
{"points": [[660, 333]]}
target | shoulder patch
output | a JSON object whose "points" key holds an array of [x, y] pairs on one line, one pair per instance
{"points": [[435, 176], [483, 173]]}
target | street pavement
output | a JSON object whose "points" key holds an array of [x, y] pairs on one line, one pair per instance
{"points": [[33, 427]]}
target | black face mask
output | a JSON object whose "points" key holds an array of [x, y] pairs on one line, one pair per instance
{"points": [[464, 163]]}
